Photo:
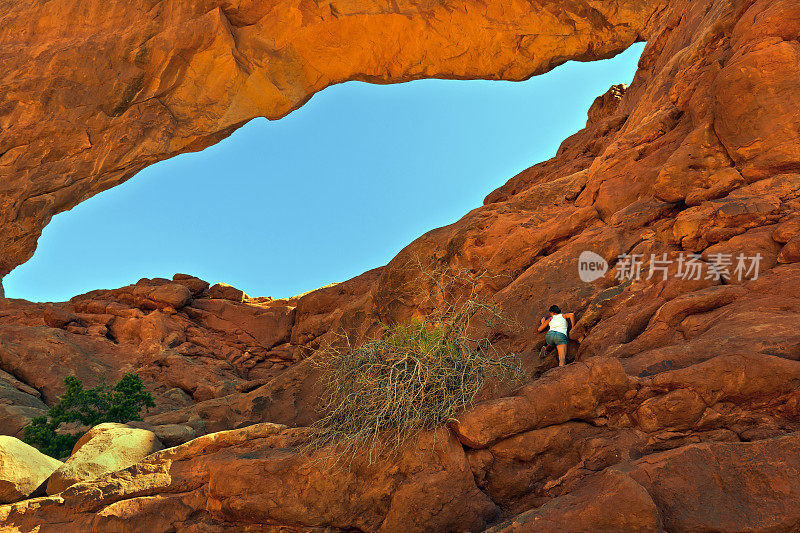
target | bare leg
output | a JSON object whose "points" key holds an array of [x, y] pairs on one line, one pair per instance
{"points": [[562, 354]]}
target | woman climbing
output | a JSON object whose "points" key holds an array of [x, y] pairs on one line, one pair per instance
{"points": [[559, 324]]}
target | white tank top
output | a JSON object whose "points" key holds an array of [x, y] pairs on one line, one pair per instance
{"points": [[558, 323]]}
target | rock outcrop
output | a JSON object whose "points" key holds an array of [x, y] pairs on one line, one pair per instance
{"points": [[683, 410], [264, 472], [599, 474], [708, 487], [203, 361]]}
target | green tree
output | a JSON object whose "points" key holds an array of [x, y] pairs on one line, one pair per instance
{"points": [[89, 407]]}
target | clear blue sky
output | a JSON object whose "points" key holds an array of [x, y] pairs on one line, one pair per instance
{"points": [[334, 189]]}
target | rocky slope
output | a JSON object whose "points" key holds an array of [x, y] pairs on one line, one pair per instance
{"points": [[683, 412]]}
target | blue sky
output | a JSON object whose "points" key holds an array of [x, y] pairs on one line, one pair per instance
{"points": [[334, 189]]}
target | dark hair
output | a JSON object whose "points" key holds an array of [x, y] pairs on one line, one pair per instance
{"points": [[555, 309]]}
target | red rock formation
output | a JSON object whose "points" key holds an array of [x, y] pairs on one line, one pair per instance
{"points": [[209, 355], [603, 473], [93, 93], [683, 412], [260, 473]]}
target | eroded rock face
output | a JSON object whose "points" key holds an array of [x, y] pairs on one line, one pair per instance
{"points": [[263, 472], [210, 364], [612, 502], [19, 403], [603, 474], [709, 487], [541, 452]]}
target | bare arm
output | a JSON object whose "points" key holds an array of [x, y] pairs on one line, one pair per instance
{"points": [[571, 317], [545, 322]]}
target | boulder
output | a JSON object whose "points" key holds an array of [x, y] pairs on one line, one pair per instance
{"points": [[193, 283], [59, 318], [577, 391], [610, 503], [23, 469], [223, 291], [175, 295], [105, 448]]}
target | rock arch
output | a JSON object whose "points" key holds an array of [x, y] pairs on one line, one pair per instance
{"points": [[91, 93]]}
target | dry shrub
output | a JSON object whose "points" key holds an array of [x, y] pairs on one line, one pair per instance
{"points": [[415, 375]]}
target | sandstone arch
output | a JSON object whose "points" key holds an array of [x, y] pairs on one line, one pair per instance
{"points": [[91, 93]]}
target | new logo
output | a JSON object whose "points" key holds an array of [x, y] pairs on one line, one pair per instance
{"points": [[591, 266]]}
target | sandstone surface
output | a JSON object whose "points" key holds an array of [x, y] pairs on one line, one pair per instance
{"points": [[22, 469], [105, 448], [264, 473]]}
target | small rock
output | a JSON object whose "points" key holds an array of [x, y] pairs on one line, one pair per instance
{"points": [[194, 284], [97, 329], [59, 318], [172, 295], [174, 434], [169, 434], [223, 291]]}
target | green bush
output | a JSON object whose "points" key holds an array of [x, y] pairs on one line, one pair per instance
{"points": [[89, 407]]}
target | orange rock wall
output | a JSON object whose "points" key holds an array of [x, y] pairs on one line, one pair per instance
{"points": [[91, 93]]}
